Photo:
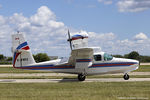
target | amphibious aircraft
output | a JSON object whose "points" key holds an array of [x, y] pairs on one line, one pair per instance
{"points": [[83, 60]]}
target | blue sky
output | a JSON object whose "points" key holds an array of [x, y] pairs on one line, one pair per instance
{"points": [[123, 21]]}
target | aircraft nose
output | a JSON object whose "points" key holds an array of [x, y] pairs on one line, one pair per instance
{"points": [[135, 62], [138, 62], [128, 61]]}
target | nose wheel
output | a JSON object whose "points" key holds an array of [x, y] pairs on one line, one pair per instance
{"points": [[126, 76], [81, 77]]}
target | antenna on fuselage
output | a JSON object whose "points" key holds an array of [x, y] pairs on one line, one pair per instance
{"points": [[69, 39]]}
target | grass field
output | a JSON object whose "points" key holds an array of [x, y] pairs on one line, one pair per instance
{"points": [[142, 68], [75, 91], [14, 70]]}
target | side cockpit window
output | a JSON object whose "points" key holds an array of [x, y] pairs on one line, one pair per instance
{"points": [[97, 57], [107, 57]]}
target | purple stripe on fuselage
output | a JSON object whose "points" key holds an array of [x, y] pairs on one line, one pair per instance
{"points": [[120, 64], [44, 67]]}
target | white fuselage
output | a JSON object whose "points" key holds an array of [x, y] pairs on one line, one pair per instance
{"points": [[102, 66], [83, 59]]}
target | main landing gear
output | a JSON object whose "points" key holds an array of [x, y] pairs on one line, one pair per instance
{"points": [[126, 76], [81, 77]]}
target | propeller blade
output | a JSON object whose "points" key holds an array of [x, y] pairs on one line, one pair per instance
{"points": [[69, 40]]}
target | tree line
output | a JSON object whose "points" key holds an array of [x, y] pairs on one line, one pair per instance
{"points": [[134, 55], [5, 60], [40, 57]]}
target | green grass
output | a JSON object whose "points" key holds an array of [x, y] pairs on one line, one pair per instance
{"points": [[14, 70], [142, 68], [74, 91]]}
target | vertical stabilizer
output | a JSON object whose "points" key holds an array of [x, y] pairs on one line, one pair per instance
{"points": [[22, 55]]}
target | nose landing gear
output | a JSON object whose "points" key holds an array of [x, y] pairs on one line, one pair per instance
{"points": [[81, 77], [126, 76]]}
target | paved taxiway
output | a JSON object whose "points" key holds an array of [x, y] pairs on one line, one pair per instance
{"points": [[72, 80], [59, 74]]}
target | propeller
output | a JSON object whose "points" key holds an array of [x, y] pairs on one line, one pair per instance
{"points": [[69, 40]]}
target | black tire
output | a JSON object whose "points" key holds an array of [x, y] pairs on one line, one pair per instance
{"points": [[126, 76], [81, 77]]}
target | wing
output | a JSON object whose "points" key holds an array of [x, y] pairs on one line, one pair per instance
{"points": [[81, 58]]}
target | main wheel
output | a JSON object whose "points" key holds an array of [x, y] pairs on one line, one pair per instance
{"points": [[126, 76], [81, 77]]}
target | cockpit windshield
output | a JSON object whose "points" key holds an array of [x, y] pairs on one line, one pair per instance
{"points": [[107, 57]]}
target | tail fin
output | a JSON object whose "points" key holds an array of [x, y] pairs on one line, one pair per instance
{"points": [[22, 55]]}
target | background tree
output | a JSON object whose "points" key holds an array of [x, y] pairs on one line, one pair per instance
{"points": [[126, 55], [2, 57], [118, 56], [133, 55], [9, 59], [144, 58], [40, 57]]}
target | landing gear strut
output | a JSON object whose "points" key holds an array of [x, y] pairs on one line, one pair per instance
{"points": [[126, 76], [81, 77]]}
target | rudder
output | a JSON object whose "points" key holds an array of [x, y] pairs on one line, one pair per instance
{"points": [[22, 55]]}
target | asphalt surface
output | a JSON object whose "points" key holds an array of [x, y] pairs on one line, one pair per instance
{"points": [[72, 80], [59, 74]]}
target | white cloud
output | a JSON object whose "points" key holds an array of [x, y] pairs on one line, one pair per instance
{"points": [[55, 24], [106, 2], [103, 40], [41, 29], [2, 20], [133, 5], [125, 46], [110, 43], [140, 36], [43, 15], [45, 34]]}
